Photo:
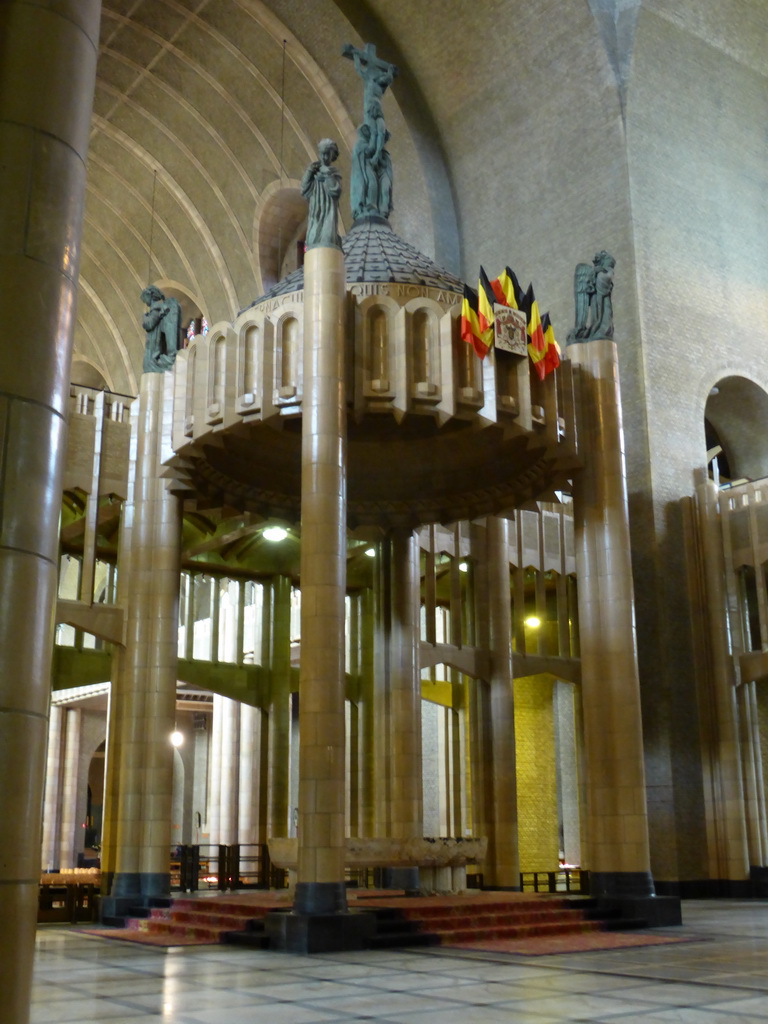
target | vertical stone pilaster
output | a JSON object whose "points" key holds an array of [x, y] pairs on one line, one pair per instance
{"points": [[47, 80]]}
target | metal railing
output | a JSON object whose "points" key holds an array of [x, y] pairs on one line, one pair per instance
{"points": [[563, 880], [221, 867]]}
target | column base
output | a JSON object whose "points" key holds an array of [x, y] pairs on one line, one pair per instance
{"points": [[400, 878], [633, 895], [315, 898], [621, 884], [712, 889], [135, 890], [655, 911], [295, 932]]}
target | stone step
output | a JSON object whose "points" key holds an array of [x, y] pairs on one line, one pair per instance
{"points": [[458, 923], [253, 936], [224, 921], [513, 931], [218, 906], [198, 919], [161, 926]]}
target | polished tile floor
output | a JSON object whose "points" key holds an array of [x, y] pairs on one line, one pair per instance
{"points": [[720, 977]]}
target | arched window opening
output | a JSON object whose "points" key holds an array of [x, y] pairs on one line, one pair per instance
{"points": [[250, 358], [421, 347], [379, 350], [197, 325], [289, 364]]}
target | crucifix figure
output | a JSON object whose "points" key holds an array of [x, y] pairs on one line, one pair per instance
{"points": [[371, 186]]}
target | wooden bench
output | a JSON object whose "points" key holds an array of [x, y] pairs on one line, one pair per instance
{"points": [[69, 897]]}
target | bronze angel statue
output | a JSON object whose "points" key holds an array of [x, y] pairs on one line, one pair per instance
{"points": [[162, 323], [592, 286]]}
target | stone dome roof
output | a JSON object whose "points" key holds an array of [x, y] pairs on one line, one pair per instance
{"points": [[373, 253]]}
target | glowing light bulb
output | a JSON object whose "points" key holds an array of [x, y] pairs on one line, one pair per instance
{"points": [[274, 533], [177, 738], [533, 621]]}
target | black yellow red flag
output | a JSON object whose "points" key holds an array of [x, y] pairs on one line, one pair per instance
{"points": [[485, 314], [507, 290], [551, 358], [470, 326], [537, 347]]}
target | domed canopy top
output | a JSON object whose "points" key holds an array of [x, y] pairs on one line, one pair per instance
{"points": [[373, 253]]}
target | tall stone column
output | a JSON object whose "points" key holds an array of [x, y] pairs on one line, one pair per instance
{"points": [[230, 752], [319, 919], [367, 726], [502, 867], [619, 857], [68, 824], [213, 817], [47, 77], [51, 808], [279, 647], [320, 885], [398, 698], [146, 669], [249, 789]]}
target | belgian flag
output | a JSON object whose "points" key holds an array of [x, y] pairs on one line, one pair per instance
{"points": [[470, 323], [537, 346], [507, 290], [551, 358], [485, 314]]}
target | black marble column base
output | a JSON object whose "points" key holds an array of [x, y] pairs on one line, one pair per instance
{"points": [[400, 878], [633, 895], [135, 890], [655, 911], [320, 898], [319, 922], [295, 932]]}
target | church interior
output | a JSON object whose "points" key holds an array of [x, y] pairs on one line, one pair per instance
{"points": [[319, 586]]}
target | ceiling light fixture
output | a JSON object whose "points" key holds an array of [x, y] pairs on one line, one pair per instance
{"points": [[274, 534]]}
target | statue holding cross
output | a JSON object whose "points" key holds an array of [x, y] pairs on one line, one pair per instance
{"points": [[371, 185]]}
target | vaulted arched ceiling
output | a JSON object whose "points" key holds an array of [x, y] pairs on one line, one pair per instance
{"points": [[510, 124], [204, 111]]}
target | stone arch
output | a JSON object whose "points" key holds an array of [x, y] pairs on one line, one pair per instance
{"points": [[192, 305], [279, 224], [734, 409], [85, 374]]}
